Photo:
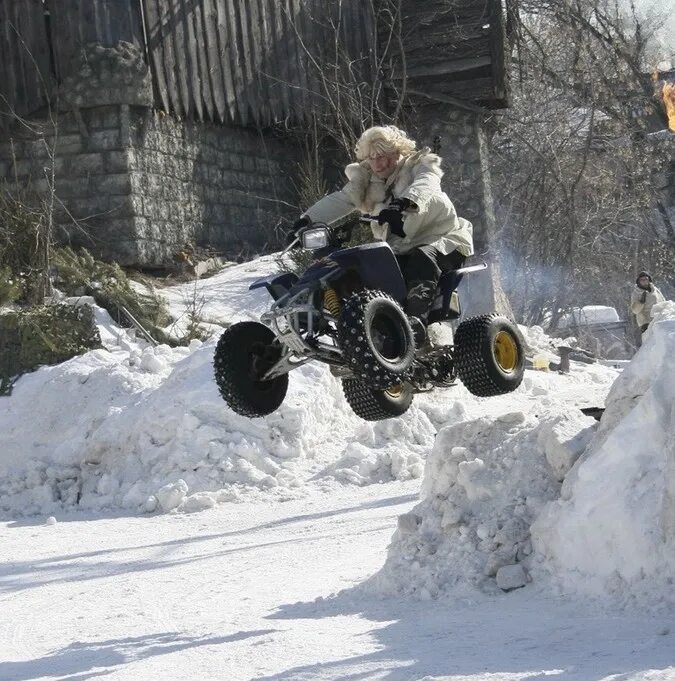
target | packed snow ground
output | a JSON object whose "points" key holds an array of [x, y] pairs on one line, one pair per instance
{"points": [[118, 448]]}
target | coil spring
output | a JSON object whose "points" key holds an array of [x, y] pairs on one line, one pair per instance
{"points": [[331, 302]]}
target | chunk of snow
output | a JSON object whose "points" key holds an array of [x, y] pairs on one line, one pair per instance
{"points": [[511, 577], [170, 496]]}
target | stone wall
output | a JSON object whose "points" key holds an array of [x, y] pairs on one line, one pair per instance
{"points": [[226, 186], [136, 185]]}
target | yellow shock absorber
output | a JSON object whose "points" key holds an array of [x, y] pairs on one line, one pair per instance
{"points": [[331, 302]]}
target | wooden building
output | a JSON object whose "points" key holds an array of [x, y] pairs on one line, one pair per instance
{"points": [[169, 111]]}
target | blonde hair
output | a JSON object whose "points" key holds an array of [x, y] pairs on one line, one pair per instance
{"points": [[383, 140]]}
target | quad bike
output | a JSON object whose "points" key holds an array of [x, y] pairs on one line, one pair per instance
{"points": [[346, 310]]}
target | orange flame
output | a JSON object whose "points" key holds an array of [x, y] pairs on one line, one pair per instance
{"points": [[668, 94]]}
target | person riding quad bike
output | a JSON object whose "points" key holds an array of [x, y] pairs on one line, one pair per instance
{"points": [[365, 310], [416, 217]]}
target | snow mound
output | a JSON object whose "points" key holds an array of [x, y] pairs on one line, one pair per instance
{"points": [[553, 497], [110, 430], [374, 452], [485, 481], [144, 428], [612, 534]]}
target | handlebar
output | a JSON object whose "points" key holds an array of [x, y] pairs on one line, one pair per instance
{"points": [[340, 229]]}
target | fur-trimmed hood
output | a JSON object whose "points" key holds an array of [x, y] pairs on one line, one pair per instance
{"points": [[369, 192]]}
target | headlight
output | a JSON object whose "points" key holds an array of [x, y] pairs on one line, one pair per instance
{"points": [[315, 238]]}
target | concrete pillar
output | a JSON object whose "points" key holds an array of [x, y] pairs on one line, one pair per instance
{"points": [[462, 143]]}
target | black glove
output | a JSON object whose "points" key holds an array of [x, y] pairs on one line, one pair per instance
{"points": [[392, 215], [304, 221]]}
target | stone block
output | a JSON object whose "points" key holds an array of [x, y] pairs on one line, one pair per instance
{"points": [[129, 252], [69, 144], [87, 164], [120, 205], [235, 161], [138, 182], [262, 166], [116, 161], [41, 185], [41, 148], [111, 117], [72, 187], [137, 204], [24, 168], [103, 140], [114, 229], [115, 183]]}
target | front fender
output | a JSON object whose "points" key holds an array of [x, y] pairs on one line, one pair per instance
{"points": [[377, 267], [276, 284]]}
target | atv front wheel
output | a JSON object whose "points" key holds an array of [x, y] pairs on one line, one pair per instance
{"points": [[376, 339], [489, 356], [376, 405], [245, 352]]}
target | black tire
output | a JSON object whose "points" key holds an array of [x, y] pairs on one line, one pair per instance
{"points": [[244, 352], [376, 405], [489, 356], [376, 339]]}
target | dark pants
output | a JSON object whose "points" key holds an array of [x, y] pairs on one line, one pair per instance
{"points": [[422, 268]]}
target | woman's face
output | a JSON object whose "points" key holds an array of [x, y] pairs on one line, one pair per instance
{"points": [[383, 164]]}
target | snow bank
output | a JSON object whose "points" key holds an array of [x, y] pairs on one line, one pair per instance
{"points": [[109, 429], [613, 531], [144, 429], [552, 496], [484, 483]]}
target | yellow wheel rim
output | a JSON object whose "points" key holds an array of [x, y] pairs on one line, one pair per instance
{"points": [[506, 351], [395, 390]]}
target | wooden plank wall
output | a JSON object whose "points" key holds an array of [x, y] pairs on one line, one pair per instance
{"points": [[24, 58], [39, 40], [455, 48], [75, 23], [249, 61]]}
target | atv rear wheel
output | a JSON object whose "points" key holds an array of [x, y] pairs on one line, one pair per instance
{"points": [[376, 339], [376, 405], [489, 356], [245, 352]]}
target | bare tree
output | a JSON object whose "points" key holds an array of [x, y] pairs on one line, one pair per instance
{"points": [[574, 166]]}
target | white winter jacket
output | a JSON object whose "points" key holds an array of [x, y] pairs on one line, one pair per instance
{"points": [[643, 311], [418, 178]]}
